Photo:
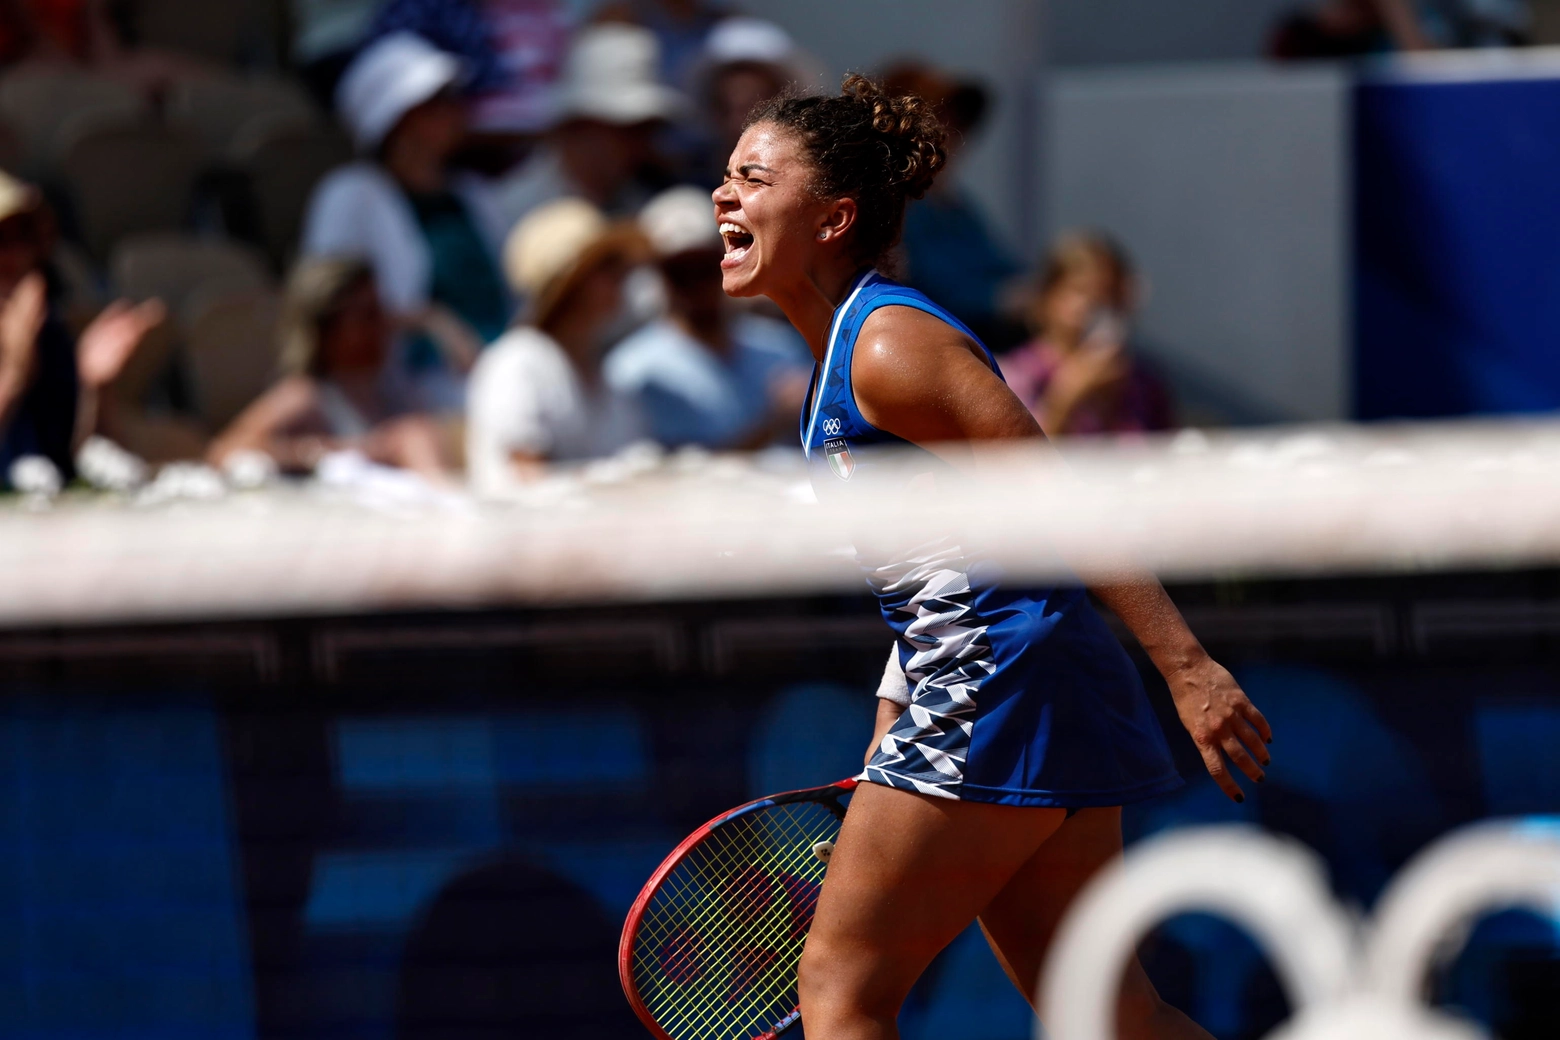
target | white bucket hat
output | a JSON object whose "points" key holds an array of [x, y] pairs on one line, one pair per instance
{"points": [[611, 75], [392, 76], [742, 40], [680, 220]]}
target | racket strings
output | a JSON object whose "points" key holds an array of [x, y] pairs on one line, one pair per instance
{"points": [[721, 865], [716, 952]]}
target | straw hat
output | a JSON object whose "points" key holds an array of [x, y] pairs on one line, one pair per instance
{"points": [[612, 74], [314, 289], [394, 75], [680, 220], [556, 246]]}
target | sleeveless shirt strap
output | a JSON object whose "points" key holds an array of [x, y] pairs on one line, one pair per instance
{"points": [[840, 315]]}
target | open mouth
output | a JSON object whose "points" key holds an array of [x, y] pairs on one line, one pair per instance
{"points": [[738, 242]]}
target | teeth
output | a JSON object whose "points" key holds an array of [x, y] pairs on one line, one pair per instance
{"points": [[730, 229]]}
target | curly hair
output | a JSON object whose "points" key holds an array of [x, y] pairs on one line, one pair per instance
{"points": [[868, 145]]}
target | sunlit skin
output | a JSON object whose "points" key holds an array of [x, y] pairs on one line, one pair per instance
{"points": [[798, 255], [910, 872]]}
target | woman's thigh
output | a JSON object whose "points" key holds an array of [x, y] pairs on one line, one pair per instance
{"points": [[1021, 920], [908, 874]]}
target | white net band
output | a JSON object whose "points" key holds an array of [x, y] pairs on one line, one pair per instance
{"points": [[1295, 502]]}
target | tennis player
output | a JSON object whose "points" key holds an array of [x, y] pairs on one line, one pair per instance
{"points": [[994, 789]]}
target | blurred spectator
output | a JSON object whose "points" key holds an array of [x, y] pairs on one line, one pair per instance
{"points": [[949, 252], [89, 34], [537, 395], [680, 28], [432, 236], [1348, 28], [746, 61], [706, 374], [331, 395], [49, 378], [52, 30], [514, 48], [1077, 375], [602, 137]]}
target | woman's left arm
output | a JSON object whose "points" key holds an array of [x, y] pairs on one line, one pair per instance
{"points": [[921, 380], [1212, 706]]}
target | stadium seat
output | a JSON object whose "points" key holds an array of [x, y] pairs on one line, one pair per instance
{"points": [[231, 351], [218, 108], [173, 267], [283, 160], [39, 104], [214, 31], [126, 178]]}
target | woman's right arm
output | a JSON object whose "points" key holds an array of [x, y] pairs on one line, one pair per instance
{"points": [[269, 425]]}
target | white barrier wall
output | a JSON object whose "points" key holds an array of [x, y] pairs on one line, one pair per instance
{"points": [[1229, 184], [1118, 32]]}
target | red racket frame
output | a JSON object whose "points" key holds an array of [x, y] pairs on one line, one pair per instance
{"points": [[680, 853]]}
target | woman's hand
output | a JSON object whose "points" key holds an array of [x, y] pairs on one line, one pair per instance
{"points": [[107, 343], [1097, 369], [1222, 721], [411, 442]]}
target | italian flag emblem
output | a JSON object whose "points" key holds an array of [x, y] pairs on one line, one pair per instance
{"points": [[838, 453]]}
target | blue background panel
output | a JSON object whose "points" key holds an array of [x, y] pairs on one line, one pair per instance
{"points": [[121, 906], [1457, 248]]}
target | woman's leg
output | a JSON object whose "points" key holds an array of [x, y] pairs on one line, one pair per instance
{"points": [[1021, 920], [908, 874]]}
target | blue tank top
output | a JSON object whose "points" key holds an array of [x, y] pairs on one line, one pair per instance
{"points": [[1020, 695]]}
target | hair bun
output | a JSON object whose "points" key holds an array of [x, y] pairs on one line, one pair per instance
{"points": [[911, 129], [869, 145]]}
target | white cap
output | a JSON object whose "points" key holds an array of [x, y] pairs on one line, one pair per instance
{"points": [[748, 39], [680, 220], [611, 74], [744, 40], [392, 76]]}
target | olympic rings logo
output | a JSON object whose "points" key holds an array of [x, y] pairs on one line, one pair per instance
{"points": [[831, 427], [1341, 976]]}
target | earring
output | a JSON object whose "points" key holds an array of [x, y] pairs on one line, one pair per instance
{"points": [[822, 235]]}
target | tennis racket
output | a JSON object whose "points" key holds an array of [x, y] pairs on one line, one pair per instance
{"points": [[710, 948]]}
